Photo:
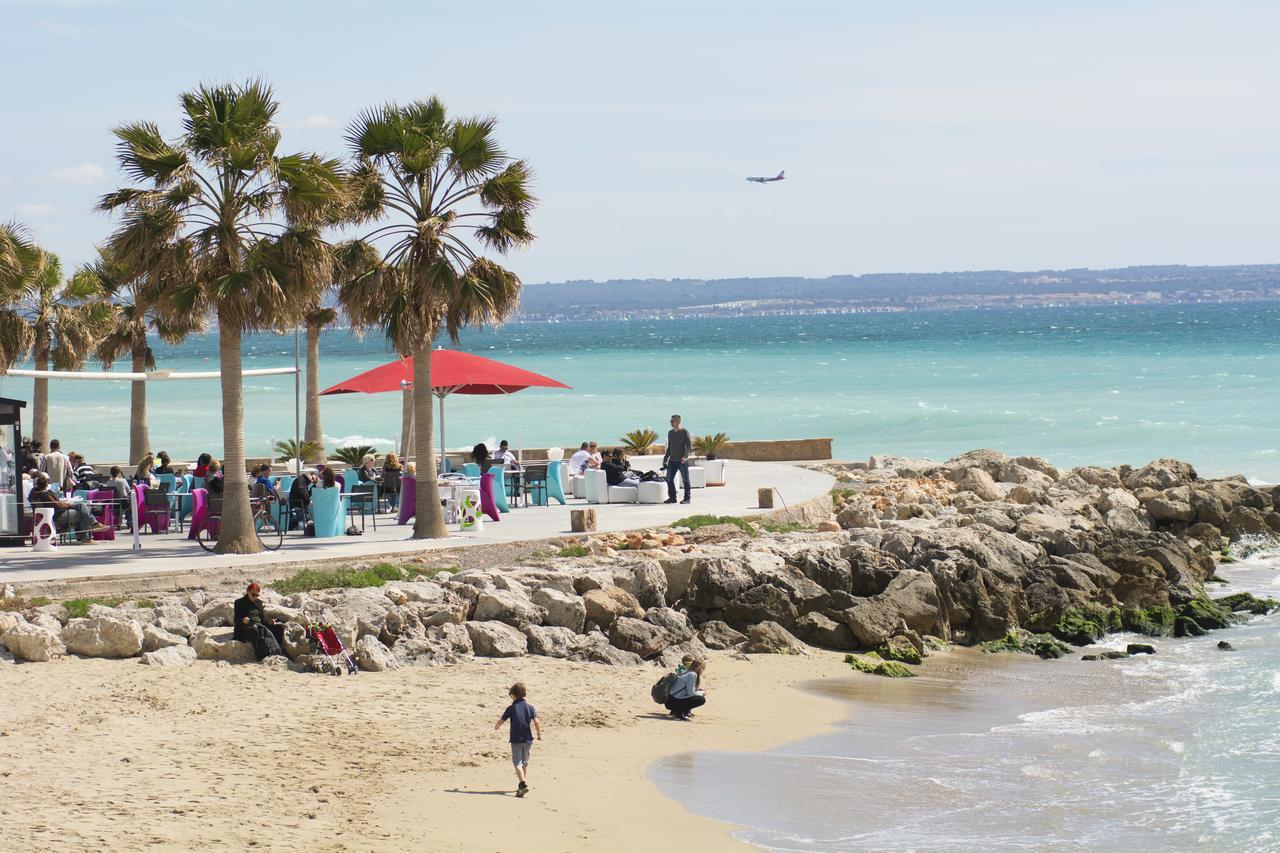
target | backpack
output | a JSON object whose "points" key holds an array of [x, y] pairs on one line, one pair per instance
{"points": [[662, 687]]}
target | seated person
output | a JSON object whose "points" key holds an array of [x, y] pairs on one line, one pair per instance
{"points": [[251, 625], [264, 479], [143, 473], [300, 497], [506, 457], [83, 473], [617, 470], [202, 465], [368, 472], [327, 478], [118, 484], [66, 514], [391, 471], [581, 459], [165, 466], [480, 456], [596, 458], [411, 469], [213, 481]]}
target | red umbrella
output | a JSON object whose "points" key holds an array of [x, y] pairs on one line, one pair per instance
{"points": [[452, 372]]}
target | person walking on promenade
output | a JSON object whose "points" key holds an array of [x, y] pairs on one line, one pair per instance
{"points": [[524, 725], [676, 458]]}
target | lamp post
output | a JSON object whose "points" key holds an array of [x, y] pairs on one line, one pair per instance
{"points": [[297, 416]]}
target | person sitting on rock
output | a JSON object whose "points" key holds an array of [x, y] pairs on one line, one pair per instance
{"points": [[686, 694], [251, 625]]}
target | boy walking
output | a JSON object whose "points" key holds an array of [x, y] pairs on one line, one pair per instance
{"points": [[524, 725]]}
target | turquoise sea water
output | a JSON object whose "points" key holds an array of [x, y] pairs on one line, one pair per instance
{"points": [[1099, 385]]}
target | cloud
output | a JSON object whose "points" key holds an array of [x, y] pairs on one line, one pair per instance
{"points": [[318, 120], [35, 211], [85, 173]]}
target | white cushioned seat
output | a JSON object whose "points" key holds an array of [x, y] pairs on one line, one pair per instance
{"points": [[623, 495], [651, 493]]}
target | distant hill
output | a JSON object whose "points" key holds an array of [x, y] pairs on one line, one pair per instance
{"points": [[895, 291]]}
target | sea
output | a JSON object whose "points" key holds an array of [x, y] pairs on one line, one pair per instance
{"points": [[1179, 750], [1077, 385]]}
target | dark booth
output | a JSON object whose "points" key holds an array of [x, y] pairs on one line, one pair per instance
{"points": [[13, 523]]}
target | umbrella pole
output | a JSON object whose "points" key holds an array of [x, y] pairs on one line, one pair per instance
{"points": [[441, 433]]}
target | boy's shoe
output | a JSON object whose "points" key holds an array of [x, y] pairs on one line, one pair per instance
{"points": [[522, 790], [685, 717]]}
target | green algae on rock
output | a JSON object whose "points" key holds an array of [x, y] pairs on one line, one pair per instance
{"points": [[872, 664], [1021, 640]]}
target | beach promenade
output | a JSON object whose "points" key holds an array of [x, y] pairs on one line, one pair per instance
{"points": [[174, 553]]}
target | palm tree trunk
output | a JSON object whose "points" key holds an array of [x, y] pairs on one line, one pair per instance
{"points": [[235, 532], [139, 436], [428, 523], [406, 422], [40, 395], [313, 433]]}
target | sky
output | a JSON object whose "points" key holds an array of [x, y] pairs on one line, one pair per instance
{"points": [[916, 136]]}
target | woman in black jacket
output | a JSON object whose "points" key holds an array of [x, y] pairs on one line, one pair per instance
{"points": [[251, 625]]}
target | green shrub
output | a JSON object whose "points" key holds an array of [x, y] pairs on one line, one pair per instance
{"points": [[353, 455], [639, 441], [78, 608], [308, 580], [770, 525], [574, 551], [693, 522], [307, 451]]}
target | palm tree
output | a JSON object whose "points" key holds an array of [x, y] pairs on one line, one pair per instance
{"points": [[137, 301], [225, 222], [316, 320], [18, 254], [449, 192], [52, 319]]}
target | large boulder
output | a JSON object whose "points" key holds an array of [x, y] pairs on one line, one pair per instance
{"points": [[372, 656], [595, 648], [637, 636], [103, 637], [763, 603], [678, 568], [647, 581], [170, 656], [154, 638], [563, 610], [216, 613], [296, 641], [826, 566], [497, 640], [858, 513], [771, 638], [911, 599], [716, 581], [819, 630], [511, 607], [719, 635], [175, 619], [676, 625], [1165, 511], [1160, 474], [215, 644], [366, 607], [605, 605], [551, 641], [979, 482], [32, 642]]}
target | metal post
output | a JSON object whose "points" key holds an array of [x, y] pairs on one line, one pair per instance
{"points": [[441, 433], [133, 499], [297, 416]]}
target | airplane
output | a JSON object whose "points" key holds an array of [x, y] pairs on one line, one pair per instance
{"points": [[781, 176]]}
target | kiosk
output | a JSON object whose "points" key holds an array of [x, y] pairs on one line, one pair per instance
{"points": [[13, 461]]}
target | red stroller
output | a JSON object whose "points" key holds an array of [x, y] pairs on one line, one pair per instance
{"points": [[325, 643]]}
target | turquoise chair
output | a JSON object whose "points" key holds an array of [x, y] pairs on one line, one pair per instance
{"points": [[186, 503], [499, 473], [471, 471], [328, 511], [555, 487], [169, 482]]}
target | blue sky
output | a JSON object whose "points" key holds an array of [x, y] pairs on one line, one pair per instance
{"points": [[917, 136]]}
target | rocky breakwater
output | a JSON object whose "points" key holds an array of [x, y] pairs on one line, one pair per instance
{"points": [[984, 548]]}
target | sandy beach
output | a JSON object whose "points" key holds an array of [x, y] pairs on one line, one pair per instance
{"points": [[101, 754]]}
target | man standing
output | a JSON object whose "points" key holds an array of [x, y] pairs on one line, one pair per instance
{"points": [[56, 464], [679, 445]]}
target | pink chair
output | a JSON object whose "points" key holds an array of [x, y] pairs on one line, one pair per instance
{"points": [[199, 511], [488, 505], [154, 516], [408, 499], [107, 515]]}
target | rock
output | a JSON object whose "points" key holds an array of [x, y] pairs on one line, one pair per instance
{"points": [[1117, 499], [1023, 494], [1080, 627], [763, 603], [1166, 511], [551, 641], [911, 599], [175, 619], [858, 513], [6, 657], [154, 638], [648, 583], [677, 626], [564, 610], [718, 635], [605, 605], [900, 648], [103, 637], [1160, 475], [1225, 646], [595, 648], [372, 656], [827, 566], [980, 483], [170, 656], [679, 569], [819, 630], [1248, 603], [772, 638], [671, 656], [497, 640], [1140, 649], [828, 525], [637, 636], [510, 607], [33, 642], [218, 645], [716, 581], [216, 614], [10, 620], [1021, 640], [296, 642], [1112, 655], [366, 607], [873, 664]]}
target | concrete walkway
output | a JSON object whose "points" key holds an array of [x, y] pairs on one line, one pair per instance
{"points": [[166, 553]]}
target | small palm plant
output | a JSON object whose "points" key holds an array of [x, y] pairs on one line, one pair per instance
{"points": [[353, 454], [710, 445], [307, 451], [639, 441]]}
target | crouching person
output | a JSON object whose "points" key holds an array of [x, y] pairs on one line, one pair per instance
{"points": [[687, 694], [251, 625]]}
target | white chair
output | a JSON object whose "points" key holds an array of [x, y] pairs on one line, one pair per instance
{"points": [[44, 536], [595, 486], [654, 492], [697, 477], [579, 484], [623, 495], [715, 471]]}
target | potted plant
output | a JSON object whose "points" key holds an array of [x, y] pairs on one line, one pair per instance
{"points": [[639, 441], [710, 445]]}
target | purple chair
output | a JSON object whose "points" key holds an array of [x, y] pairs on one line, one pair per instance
{"points": [[154, 511], [408, 498], [107, 516], [199, 511], [488, 505]]}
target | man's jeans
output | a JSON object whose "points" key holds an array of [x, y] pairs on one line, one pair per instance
{"points": [[672, 468]]}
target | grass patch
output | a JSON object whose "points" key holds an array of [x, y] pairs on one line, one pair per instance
{"points": [[770, 525], [145, 603], [309, 580], [693, 522], [574, 551], [17, 604], [78, 608]]}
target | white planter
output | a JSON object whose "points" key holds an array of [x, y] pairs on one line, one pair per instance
{"points": [[715, 471]]}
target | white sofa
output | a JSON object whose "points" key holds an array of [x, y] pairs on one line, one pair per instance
{"points": [[597, 490]]}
